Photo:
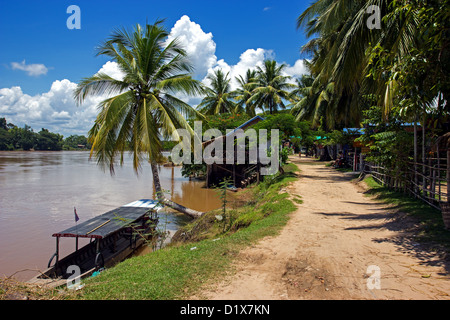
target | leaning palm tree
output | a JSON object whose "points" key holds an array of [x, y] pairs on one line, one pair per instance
{"points": [[142, 109], [272, 87], [218, 96]]}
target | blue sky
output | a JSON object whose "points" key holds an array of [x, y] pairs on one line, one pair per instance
{"points": [[41, 59]]}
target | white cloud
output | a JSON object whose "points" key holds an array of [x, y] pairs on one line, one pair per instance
{"points": [[295, 71], [250, 59], [201, 50], [112, 69], [32, 69], [54, 110], [57, 111], [198, 44]]}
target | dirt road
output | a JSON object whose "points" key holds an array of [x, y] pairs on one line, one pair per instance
{"points": [[339, 244]]}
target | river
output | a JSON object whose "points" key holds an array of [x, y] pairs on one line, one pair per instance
{"points": [[39, 190]]}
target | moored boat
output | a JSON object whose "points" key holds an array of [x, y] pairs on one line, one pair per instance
{"points": [[114, 236]]}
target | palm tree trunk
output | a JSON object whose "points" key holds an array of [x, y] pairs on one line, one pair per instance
{"points": [[162, 199]]}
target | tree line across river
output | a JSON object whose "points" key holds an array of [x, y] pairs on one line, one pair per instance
{"points": [[13, 137]]}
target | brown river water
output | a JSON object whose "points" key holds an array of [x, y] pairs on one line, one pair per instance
{"points": [[39, 190]]}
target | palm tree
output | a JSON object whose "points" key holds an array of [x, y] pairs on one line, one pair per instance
{"points": [[271, 87], [218, 96], [344, 41], [142, 109], [243, 93], [306, 105]]}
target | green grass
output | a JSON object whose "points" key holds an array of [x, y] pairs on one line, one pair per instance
{"points": [[178, 271], [430, 224]]}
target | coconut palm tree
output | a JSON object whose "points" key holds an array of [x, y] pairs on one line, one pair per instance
{"points": [[271, 89], [307, 101], [344, 41], [243, 93], [218, 96], [142, 109]]}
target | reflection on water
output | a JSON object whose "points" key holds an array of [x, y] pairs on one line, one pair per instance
{"points": [[38, 191]]}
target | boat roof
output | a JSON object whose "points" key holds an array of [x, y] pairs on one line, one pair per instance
{"points": [[104, 225]]}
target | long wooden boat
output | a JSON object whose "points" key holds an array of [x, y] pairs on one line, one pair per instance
{"points": [[114, 236]]}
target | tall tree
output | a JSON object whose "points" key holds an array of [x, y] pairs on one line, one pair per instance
{"points": [[272, 87], [360, 59], [244, 92], [218, 96], [142, 109]]}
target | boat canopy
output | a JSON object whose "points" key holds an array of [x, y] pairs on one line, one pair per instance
{"points": [[112, 221]]}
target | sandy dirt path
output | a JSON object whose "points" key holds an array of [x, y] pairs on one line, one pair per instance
{"points": [[339, 244]]}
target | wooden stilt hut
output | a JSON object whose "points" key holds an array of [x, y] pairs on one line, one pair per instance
{"points": [[240, 174]]}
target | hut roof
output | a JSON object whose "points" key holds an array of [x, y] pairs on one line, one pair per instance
{"points": [[243, 126]]}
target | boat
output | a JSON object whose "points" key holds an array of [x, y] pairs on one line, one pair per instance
{"points": [[114, 236]]}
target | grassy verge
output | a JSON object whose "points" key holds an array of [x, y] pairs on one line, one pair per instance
{"points": [[178, 271], [430, 228]]}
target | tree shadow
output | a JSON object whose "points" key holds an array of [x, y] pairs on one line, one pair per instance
{"points": [[410, 237], [419, 227], [331, 178]]}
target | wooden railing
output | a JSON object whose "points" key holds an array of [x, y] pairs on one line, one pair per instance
{"points": [[427, 181]]}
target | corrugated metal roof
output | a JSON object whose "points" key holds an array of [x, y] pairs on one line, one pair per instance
{"points": [[111, 221]]}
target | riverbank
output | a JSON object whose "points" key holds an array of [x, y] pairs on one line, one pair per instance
{"points": [[308, 235], [202, 251], [40, 189]]}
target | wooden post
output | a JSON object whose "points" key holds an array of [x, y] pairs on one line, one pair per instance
{"points": [[433, 186], [57, 252], [208, 174], [361, 163], [427, 179], [448, 173], [424, 169], [416, 181], [439, 172], [258, 172]]}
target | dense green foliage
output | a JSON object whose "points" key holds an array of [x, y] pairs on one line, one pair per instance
{"points": [[15, 138], [404, 64], [224, 122], [383, 79]]}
